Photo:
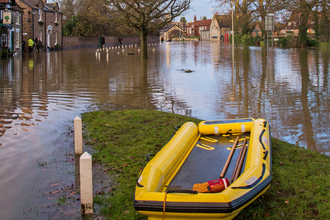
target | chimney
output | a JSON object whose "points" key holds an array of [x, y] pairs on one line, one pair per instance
{"points": [[195, 18], [216, 13]]}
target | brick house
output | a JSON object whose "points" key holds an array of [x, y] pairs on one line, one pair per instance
{"points": [[195, 28], [220, 27], [292, 25], [42, 20], [11, 29]]}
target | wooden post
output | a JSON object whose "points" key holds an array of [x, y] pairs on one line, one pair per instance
{"points": [[238, 171], [224, 170], [240, 157], [86, 183], [77, 136]]}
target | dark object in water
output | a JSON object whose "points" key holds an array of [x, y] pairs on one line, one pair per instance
{"points": [[186, 70]]}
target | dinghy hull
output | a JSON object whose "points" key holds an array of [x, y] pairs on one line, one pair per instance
{"points": [[198, 154]]}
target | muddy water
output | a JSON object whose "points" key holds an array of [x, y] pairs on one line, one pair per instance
{"points": [[41, 94]]}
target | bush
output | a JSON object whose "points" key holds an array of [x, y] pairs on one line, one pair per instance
{"points": [[257, 40], [247, 39], [312, 43], [324, 45], [57, 46], [283, 42]]}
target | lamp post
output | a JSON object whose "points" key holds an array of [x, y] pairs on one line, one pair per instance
{"points": [[232, 24]]}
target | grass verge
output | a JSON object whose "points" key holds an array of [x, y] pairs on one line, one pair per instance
{"points": [[122, 139]]}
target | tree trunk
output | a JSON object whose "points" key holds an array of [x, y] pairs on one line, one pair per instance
{"points": [[143, 41], [245, 24], [305, 10]]}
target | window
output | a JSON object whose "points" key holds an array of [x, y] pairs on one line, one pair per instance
{"points": [[4, 40], [40, 35], [289, 24], [40, 14], [18, 18], [17, 39], [56, 16]]}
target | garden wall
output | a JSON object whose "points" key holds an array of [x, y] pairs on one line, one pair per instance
{"points": [[81, 42]]}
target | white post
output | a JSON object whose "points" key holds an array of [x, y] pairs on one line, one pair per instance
{"points": [[77, 136], [86, 183]]}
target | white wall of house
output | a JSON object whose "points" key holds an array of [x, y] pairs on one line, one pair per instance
{"points": [[214, 30]]}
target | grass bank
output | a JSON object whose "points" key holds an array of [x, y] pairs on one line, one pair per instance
{"points": [[122, 139]]}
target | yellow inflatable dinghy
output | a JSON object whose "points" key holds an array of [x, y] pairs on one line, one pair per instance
{"points": [[236, 149]]}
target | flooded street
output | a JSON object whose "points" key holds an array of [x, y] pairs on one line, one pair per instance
{"points": [[41, 94]]}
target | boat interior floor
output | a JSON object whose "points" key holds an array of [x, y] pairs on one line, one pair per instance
{"points": [[207, 159]]}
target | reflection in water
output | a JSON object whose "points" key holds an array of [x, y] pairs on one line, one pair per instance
{"points": [[289, 86], [42, 91]]}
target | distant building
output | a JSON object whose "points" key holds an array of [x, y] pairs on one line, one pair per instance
{"points": [[220, 27], [194, 28], [256, 31], [170, 31], [293, 23], [42, 20], [10, 26]]}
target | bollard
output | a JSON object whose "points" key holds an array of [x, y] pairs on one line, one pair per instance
{"points": [[86, 183], [77, 136]]}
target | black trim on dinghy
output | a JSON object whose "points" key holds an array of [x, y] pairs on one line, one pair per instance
{"points": [[203, 207], [228, 121]]}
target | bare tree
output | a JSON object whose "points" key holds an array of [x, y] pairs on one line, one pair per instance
{"points": [[68, 8], [243, 12], [261, 9], [147, 16], [303, 10]]}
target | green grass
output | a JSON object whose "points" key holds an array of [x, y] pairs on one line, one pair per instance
{"points": [[122, 139]]}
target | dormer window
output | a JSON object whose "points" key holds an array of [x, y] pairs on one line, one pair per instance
{"points": [[40, 14]]}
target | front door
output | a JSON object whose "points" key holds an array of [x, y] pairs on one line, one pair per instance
{"points": [[48, 38]]}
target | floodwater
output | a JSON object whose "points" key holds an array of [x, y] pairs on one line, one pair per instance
{"points": [[41, 94]]}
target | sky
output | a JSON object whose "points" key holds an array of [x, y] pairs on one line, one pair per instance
{"points": [[200, 8]]}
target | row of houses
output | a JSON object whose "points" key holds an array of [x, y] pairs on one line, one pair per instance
{"points": [[25, 19], [219, 28]]}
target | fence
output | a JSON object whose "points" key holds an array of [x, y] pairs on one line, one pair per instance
{"points": [[71, 42]]}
